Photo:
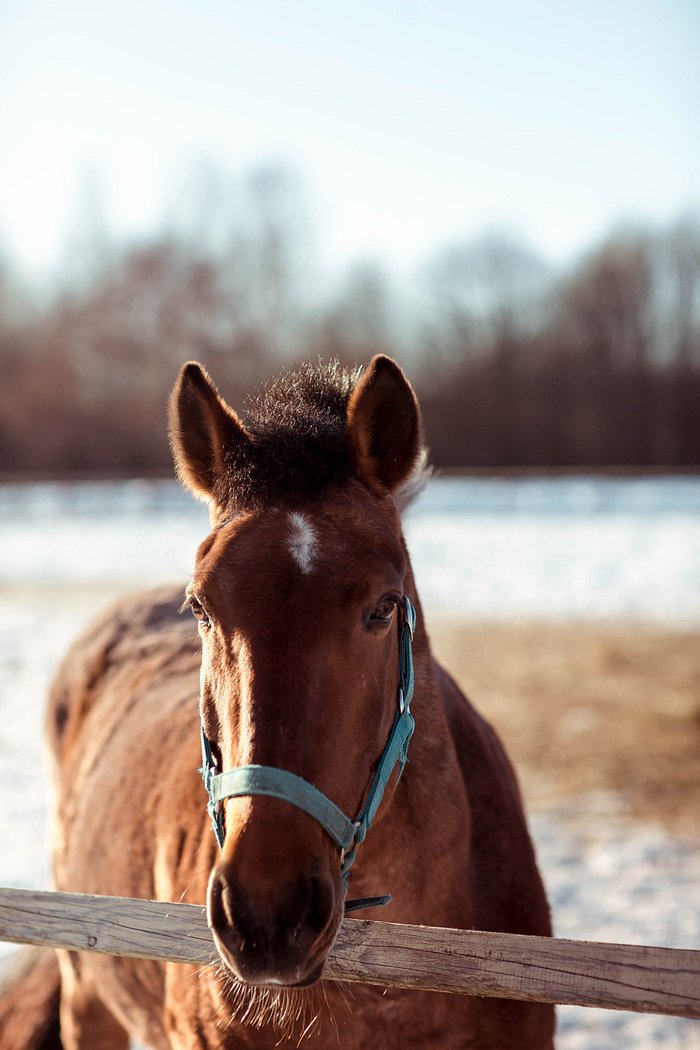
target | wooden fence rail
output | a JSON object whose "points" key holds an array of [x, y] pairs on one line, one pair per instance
{"points": [[511, 966]]}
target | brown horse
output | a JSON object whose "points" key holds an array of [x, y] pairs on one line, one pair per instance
{"points": [[303, 596]]}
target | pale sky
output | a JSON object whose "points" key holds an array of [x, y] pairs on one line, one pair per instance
{"points": [[414, 124]]}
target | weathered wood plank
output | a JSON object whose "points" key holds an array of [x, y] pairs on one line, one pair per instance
{"points": [[613, 976]]}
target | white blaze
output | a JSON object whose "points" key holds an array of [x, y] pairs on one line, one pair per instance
{"points": [[302, 542]]}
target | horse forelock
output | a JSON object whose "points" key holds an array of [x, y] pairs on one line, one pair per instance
{"points": [[299, 447]]}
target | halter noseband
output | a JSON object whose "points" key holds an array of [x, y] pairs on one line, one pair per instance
{"points": [[347, 834]]}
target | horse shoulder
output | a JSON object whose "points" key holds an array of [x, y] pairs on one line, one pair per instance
{"points": [[122, 723], [114, 643]]}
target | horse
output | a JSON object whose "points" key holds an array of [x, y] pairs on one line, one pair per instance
{"points": [[296, 691]]}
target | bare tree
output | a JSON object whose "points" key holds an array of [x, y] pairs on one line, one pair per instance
{"points": [[600, 367]]}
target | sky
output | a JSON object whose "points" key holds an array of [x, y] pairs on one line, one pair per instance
{"points": [[412, 124]]}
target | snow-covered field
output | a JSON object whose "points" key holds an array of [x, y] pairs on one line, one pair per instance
{"points": [[565, 548], [551, 548]]}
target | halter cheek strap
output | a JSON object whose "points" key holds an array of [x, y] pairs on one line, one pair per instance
{"points": [[347, 834]]}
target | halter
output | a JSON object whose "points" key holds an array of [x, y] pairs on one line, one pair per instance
{"points": [[347, 834]]}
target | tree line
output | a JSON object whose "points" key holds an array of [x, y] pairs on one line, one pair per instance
{"points": [[516, 364]]}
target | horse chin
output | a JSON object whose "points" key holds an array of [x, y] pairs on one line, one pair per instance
{"points": [[301, 975]]}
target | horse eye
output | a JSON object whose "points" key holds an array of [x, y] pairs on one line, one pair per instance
{"points": [[198, 611], [384, 611]]}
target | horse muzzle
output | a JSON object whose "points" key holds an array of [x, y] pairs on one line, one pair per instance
{"points": [[274, 938]]}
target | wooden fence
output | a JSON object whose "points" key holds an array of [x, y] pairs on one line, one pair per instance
{"points": [[511, 966]]}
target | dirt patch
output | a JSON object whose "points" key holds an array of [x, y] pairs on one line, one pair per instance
{"points": [[586, 708]]}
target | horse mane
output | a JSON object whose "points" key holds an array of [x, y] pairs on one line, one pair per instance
{"points": [[299, 448]]}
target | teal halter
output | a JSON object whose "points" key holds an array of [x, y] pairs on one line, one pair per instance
{"points": [[347, 834]]}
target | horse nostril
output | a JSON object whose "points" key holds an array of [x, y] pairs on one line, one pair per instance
{"points": [[220, 904], [301, 910], [321, 902]]}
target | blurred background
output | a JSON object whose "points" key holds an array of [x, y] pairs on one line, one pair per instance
{"points": [[506, 199]]}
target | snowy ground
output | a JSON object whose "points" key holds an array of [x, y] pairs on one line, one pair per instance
{"points": [[571, 549], [610, 879]]}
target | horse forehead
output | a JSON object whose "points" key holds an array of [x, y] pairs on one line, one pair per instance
{"points": [[314, 543], [251, 541], [303, 541], [321, 542]]}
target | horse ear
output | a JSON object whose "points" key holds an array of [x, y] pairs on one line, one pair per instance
{"points": [[202, 429], [384, 424]]}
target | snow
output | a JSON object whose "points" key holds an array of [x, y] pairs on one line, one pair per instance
{"points": [[611, 879]]}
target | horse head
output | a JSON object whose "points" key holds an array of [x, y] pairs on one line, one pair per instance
{"points": [[300, 594]]}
